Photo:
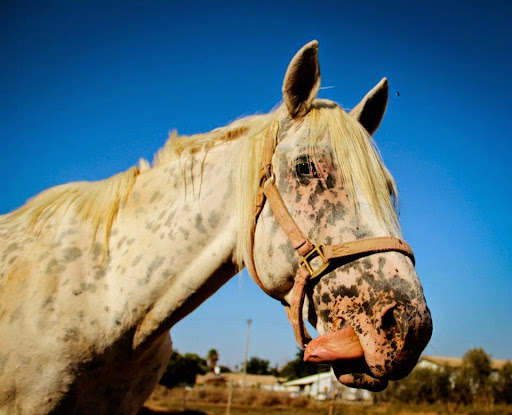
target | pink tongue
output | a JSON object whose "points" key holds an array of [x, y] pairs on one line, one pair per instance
{"points": [[338, 345]]}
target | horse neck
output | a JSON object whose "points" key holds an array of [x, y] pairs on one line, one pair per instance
{"points": [[174, 240]]}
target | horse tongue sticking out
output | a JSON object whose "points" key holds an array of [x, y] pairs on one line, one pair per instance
{"points": [[335, 346]]}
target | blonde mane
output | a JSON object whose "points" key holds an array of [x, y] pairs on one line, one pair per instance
{"points": [[355, 155], [180, 146], [97, 202]]}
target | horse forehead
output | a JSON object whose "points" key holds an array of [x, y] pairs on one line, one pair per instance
{"points": [[292, 146]]}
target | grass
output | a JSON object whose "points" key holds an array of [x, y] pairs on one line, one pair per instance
{"points": [[213, 401]]}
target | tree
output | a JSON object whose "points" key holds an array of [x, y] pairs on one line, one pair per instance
{"points": [[473, 381], [257, 366], [422, 385], [212, 358], [503, 385], [183, 369], [298, 368], [274, 371], [224, 369]]}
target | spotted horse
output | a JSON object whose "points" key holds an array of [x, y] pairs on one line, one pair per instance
{"points": [[94, 274]]}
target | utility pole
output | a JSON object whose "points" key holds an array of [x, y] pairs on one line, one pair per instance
{"points": [[249, 321]]}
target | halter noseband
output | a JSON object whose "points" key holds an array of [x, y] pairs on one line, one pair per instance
{"points": [[306, 249]]}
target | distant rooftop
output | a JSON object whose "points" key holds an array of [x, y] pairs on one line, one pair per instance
{"points": [[238, 378], [457, 361]]}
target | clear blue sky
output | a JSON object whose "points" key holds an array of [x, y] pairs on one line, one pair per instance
{"points": [[88, 87]]}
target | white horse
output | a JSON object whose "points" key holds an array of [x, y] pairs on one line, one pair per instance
{"points": [[93, 275]]}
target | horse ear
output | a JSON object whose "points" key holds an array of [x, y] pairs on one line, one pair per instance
{"points": [[370, 111], [302, 80]]}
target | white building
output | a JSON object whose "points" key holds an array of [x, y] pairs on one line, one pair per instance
{"points": [[325, 386]]}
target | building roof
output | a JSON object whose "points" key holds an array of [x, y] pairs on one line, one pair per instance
{"points": [[238, 378], [456, 362], [309, 379]]}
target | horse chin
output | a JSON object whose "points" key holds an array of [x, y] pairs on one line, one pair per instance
{"points": [[357, 379]]}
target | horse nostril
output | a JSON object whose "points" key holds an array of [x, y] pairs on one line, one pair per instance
{"points": [[390, 317], [394, 321]]}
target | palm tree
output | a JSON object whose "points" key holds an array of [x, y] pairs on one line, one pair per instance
{"points": [[212, 358]]}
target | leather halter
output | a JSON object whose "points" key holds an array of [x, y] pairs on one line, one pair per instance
{"points": [[308, 251]]}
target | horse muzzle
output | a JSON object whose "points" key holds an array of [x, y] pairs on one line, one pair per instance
{"points": [[369, 358]]}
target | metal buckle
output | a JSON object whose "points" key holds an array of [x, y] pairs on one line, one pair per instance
{"points": [[267, 173], [304, 261]]}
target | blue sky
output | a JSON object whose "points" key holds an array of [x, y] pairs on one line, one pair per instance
{"points": [[89, 87]]}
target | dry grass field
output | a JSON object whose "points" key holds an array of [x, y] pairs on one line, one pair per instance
{"points": [[213, 401]]}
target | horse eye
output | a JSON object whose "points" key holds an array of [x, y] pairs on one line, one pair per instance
{"points": [[306, 168]]}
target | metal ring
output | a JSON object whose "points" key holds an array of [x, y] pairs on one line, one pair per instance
{"points": [[272, 177], [270, 174]]}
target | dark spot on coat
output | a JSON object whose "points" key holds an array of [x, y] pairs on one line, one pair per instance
{"points": [[326, 298], [184, 232], [3, 360], [155, 196], [87, 287], [121, 242], [330, 181], [214, 219], [97, 249], [170, 218], [99, 272], [344, 291], [313, 199], [10, 248], [71, 254], [167, 274], [319, 216], [319, 189], [199, 223], [153, 266], [54, 267], [16, 314], [136, 260], [71, 334]]}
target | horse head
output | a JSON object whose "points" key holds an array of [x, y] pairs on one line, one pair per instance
{"points": [[325, 239]]}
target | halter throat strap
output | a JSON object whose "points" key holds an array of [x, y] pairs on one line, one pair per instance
{"points": [[314, 258]]}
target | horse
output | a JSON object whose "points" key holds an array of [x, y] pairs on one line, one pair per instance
{"points": [[93, 275]]}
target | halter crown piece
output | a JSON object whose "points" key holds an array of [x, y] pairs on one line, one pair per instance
{"points": [[314, 258]]}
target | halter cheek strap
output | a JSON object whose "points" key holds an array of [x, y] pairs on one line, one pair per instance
{"points": [[310, 268]]}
